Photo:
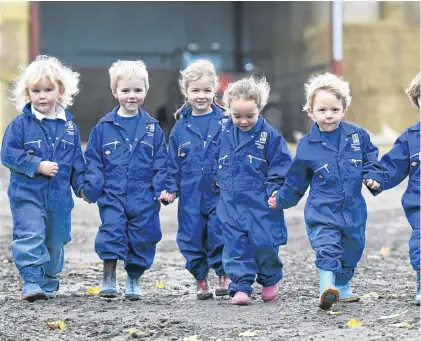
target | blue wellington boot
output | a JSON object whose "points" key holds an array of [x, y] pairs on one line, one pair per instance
{"points": [[50, 285], [417, 298], [346, 294], [32, 292], [109, 281], [132, 288], [329, 294]]}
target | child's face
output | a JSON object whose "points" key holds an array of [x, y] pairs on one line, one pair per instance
{"points": [[44, 96], [200, 95], [130, 93], [244, 113], [327, 110]]}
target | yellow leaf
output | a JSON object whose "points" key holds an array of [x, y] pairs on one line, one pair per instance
{"points": [[83, 266], [191, 338], [247, 334], [352, 323], [402, 325], [132, 331], [6, 261], [385, 251], [57, 325], [371, 294], [93, 290], [334, 312], [160, 285]]}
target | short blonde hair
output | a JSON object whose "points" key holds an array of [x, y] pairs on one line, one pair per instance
{"points": [[195, 71], [249, 89], [413, 91], [327, 82], [51, 69], [128, 69]]}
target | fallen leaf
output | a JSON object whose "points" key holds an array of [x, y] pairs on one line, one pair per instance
{"points": [[385, 251], [93, 290], [402, 325], [160, 285], [247, 334], [391, 316], [353, 323], [371, 294], [191, 338], [57, 325], [83, 266], [334, 312], [6, 261], [392, 295]]}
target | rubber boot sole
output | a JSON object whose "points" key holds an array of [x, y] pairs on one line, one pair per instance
{"points": [[328, 298], [34, 297], [204, 296], [349, 300], [132, 297], [221, 292]]}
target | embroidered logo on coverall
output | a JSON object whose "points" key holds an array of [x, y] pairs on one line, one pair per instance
{"points": [[355, 142], [70, 129]]}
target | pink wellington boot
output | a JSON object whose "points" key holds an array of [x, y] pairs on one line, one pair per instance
{"points": [[240, 298], [222, 287], [270, 293]]}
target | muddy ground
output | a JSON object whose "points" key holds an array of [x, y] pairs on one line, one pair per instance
{"points": [[173, 313]]}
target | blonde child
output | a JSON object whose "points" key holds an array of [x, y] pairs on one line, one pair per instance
{"points": [[126, 159], [42, 149], [403, 161], [333, 159], [192, 147], [252, 161]]}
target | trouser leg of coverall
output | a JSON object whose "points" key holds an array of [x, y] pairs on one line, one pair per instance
{"points": [[215, 243]]}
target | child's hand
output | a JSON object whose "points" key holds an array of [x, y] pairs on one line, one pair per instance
{"points": [[272, 200], [372, 184], [84, 198], [170, 197], [48, 168], [167, 197]]}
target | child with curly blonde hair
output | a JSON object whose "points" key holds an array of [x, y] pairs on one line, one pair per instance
{"points": [[334, 159], [401, 162], [192, 147], [42, 149], [252, 160]]}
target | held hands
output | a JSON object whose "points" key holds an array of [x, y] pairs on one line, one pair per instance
{"points": [[168, 197], [372, 184], [48, 168], [84, 198], [272, 200]]}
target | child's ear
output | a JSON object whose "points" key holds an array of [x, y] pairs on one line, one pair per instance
{"points": [[114, 94], [310, 113]]}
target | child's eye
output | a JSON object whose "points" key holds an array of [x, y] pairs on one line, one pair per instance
{"points": [[34, 90], [139, 90]]}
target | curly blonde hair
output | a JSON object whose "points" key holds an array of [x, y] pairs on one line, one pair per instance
{"points": [[196, 70], [327, 82], [413, 91], [249, 89], [128, 69], [51, 69]]}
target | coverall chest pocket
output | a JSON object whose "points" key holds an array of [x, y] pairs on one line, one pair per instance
{"points": [[414, 165], [224, 169], [147, 151], [33, 147], [355, 166], [256, 164], [111, 153], [324, 175], [184, 152], [66, 151]]}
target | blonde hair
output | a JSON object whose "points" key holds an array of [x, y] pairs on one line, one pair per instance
{"points": [[51, 69], [249, 89], [413, 91], [196, 70], [328, 82], [128, 69]]}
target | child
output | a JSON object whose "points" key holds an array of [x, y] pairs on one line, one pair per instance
{"points": [[42, 149], [333, 158], [126, 159], [252, 161], [402, 161], [191, 154]]}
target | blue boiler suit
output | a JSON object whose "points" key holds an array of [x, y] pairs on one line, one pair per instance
{"points": [[248, 174], [125, 180], [402, 161], [41, 206], [190, 173], [335, 212]]}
